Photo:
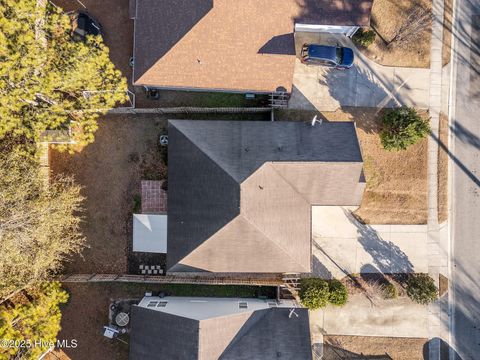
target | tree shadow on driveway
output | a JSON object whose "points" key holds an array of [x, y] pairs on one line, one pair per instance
{"points": [[388, 258]]}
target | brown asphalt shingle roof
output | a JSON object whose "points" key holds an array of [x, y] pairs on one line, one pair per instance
{"points": [[240, 192], [228, 44]]}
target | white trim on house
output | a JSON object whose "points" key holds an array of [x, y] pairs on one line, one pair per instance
{"points": [[346, 30], [201, 308]]}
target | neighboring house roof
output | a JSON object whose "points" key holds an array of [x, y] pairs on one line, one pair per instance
{"points": [[240, 192], [243, 45], [253, 333]]}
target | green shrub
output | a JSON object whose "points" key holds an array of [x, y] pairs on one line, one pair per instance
{"points": [[314, 293], [389, 291], [402, 127], [421, 289], [364, 37], [338, 293], [137, 203]]}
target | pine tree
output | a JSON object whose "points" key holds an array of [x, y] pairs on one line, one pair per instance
{"points": [[44, 74], [36, 322], [402, 127]]}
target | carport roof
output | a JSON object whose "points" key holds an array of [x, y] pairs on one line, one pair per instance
{"points": [[228, 44]]}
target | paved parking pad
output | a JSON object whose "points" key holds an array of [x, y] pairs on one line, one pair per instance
{"points": [[397, 318], [341, 245], [366, 84]]}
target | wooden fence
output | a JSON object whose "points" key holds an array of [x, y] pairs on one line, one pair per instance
{"points": [[172, 279], [190, 110]]}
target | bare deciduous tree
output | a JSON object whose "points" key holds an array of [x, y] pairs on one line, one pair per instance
{"points": [[39, 225], [413, 27]]}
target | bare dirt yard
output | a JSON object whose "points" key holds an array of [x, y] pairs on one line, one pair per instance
{"points": [[387, 18], [125, 152], [117, 27], [109, 170], [447, 31], [396, 190], [371, 347]]}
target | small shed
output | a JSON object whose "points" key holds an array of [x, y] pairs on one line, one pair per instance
{"points": [[150, 233]]}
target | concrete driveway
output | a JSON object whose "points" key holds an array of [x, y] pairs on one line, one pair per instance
{"points": [[366, 84], [341, 245], [397, 318]]}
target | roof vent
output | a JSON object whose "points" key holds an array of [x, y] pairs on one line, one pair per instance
{"points": [[272, 304], [315, 120], [152, 303], [243, 305]]}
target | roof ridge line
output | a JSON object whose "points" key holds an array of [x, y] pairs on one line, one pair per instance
{"points": [[246, 331], [240, 215], [202, 150], [271, 241], [289, 183], [296, 191]]}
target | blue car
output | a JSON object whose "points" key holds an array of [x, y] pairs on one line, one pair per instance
{"points": [[332, 56]]}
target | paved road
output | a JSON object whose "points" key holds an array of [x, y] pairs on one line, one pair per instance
{"points": [[466, 182]]}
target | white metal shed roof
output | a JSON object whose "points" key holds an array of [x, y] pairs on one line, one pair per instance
{"points": [[150, 233]]}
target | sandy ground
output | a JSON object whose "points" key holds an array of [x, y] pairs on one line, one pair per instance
{"points": [[84, 316], [351, 347], [396, 180], [83, 319], [387, 17], [110, 170], [443, 171]]}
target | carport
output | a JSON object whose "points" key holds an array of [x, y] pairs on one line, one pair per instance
{"points": [[347, 30], [335, 17]]}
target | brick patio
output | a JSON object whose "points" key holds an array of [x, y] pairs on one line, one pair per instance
{"points": [[154, 198]]}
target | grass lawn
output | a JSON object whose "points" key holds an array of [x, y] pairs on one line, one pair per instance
{"points": [[87, 312], [370, 347], [178, 98], [387, 17], [396, 190], [138, 289]]}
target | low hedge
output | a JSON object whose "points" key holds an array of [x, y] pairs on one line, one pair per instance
{"points": [[364, 37], [317, 293]]}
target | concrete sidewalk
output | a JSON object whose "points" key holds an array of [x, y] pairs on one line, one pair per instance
{"points": [[398, 318], [341, 245], [366, 84]]}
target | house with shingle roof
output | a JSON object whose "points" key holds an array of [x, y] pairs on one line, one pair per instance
{"points": [[188, 328], [231, 45], [240, 192]]}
